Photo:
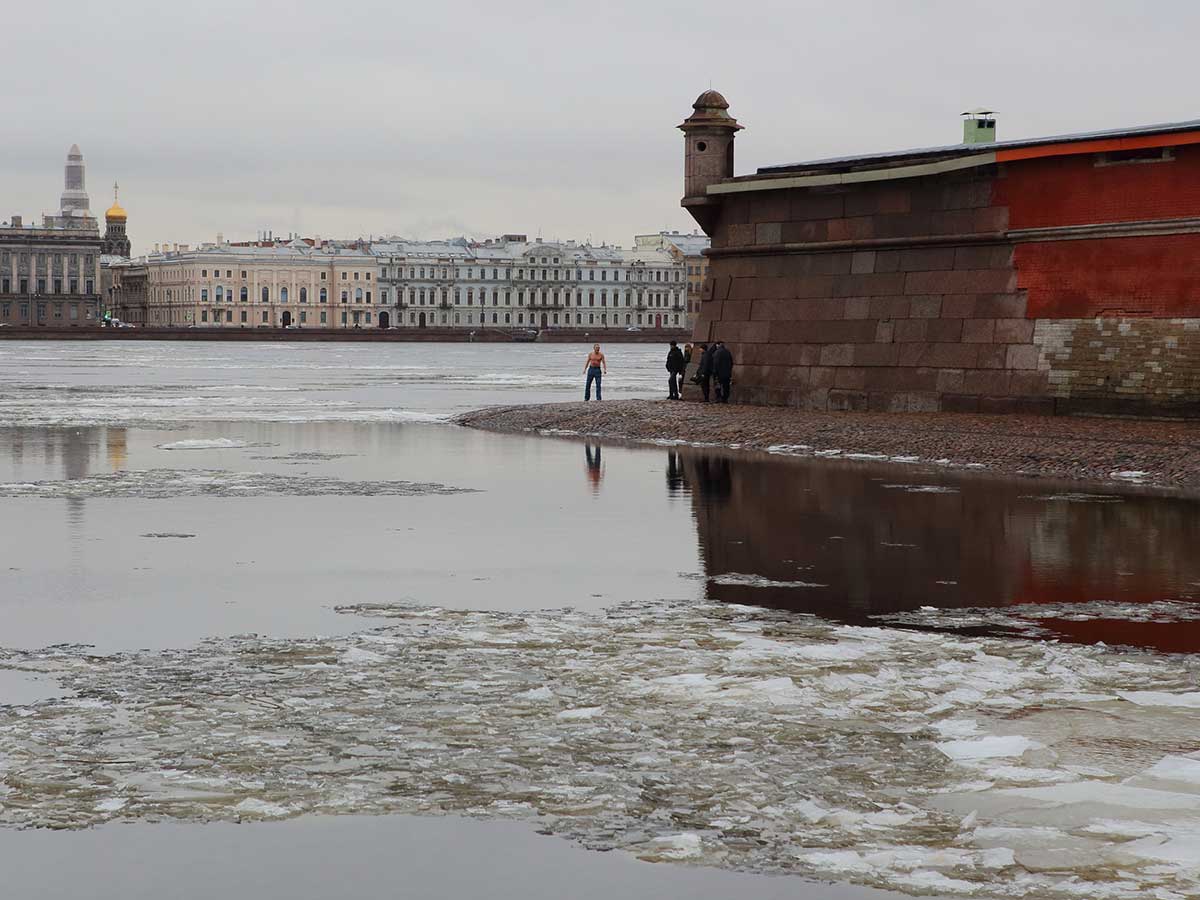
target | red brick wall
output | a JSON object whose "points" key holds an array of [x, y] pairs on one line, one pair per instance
{"points": [[1132, 276], [1074, 190], [913, 295]]}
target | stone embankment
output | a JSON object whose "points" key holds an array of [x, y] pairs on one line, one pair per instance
{"points": [[1155, 453]]}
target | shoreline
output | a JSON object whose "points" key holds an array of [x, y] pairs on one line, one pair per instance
{"points": [[406, 334], [1112, 452]]}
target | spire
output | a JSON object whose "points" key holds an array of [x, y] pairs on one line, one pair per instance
{"points": [[74, 197]]}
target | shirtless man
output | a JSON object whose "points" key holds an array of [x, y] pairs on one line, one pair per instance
{"points": [[593, 367]]}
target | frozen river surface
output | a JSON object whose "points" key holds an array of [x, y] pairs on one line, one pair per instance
{"points": [[245, 584]]}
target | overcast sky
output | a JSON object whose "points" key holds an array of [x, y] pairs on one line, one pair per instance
{"points": [[438, 118]]}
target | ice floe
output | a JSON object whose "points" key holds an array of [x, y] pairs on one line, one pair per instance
{"points": [[692, 732], [168, 483]]}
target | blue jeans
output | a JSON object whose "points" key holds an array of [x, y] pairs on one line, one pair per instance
{"points": [[593, 375]]}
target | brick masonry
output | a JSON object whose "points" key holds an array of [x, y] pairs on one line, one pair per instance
{"points": [[923, 294]]}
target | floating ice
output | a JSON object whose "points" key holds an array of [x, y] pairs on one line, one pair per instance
{"points": [[759, 581], [988, 747], [1158, 698], [204, 444], [720, 735], [155, 484]]}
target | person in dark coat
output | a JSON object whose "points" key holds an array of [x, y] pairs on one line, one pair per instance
{"points": [[722, 368], [675, 367], [704, 370]]}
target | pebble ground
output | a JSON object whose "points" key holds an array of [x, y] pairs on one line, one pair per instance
{"points": [[1087, 449]]}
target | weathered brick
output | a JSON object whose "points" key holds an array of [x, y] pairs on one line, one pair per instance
{"points": [[908, 330], [740, 235], [1000, 306], [862, 262], [823, 376], [815, 205], [927, 259], [768, 233], [735, 310], [945, 331], [1014, 331], [949, 381], [770, 206], [925, 307], [984, 257], [978, 331], [992, 356], [858, 307], [1032, 384], [990, 383], [961, 403], [958, 306], [859, 228], [1022, 356], [849, 378], [805, 232], [890, 307], [884, 331], [837, 355], [876, 354], [846, 401], [960, 281]]}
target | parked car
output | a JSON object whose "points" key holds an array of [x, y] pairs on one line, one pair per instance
{"points": [[633, 328]]}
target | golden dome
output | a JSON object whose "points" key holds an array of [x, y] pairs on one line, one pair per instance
{"points": [[115, 211]]}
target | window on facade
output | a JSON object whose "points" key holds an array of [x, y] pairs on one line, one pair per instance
{"points": [[324, 317], [243, 273], [358, 295], [283, 295], [220, 293], [204, 295], [345, 296], [368, 296], [204, 315], [73, 286], [245, 297], [266, 295], [324, 295], [368, 276], [303, 295], [265, 314], [229, 315], [343, 276], [323, 274], [41, 285], [204, 273]]}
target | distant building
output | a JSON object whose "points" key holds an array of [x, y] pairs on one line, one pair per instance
{"points": [[690, 249], [116, 241], [50, 274], [512, 282], [279, 286]]}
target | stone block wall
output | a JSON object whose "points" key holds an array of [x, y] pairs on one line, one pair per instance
{"points": [[920, 295]]}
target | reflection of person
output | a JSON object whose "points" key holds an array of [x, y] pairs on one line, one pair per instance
{"points": [[675, 367], [675, 480], [722, 366], [592, 452], [595, 363]]}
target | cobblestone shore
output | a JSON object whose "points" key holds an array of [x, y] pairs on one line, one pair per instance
{"points": [[1156, 453]]}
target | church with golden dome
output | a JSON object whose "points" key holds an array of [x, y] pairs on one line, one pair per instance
{"points": [[116, 241]]}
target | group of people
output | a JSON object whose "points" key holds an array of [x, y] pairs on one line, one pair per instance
{"points": [[715, 363]]}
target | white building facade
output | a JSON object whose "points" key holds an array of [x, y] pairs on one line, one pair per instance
{"points": [[291, 285], [512, 283]]}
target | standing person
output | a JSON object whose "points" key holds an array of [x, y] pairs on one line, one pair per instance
{"points": [[595, 363], [675, 367], [704, 370], [722, 365]]}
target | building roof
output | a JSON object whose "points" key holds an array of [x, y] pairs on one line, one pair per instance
{"points": [[1141, 136], [460, 250]]}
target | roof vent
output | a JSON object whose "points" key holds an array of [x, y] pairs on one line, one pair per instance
{"points": [[979, 126]]}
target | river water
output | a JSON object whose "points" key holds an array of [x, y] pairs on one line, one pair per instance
{"points": [[272, 584]]}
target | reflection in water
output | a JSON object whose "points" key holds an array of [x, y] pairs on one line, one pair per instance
{"points": [[595, 466], [847, 542], [76, 452]]}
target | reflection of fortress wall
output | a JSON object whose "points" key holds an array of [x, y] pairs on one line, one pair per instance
{"points": [[877, 549]]}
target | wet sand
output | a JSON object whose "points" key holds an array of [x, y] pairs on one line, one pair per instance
{"points": [[1155, 453]]}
